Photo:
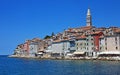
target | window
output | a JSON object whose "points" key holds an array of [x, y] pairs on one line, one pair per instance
{"points": [[80, 44], [105, 39], [77, 44], [87, 40], [116, 48], [106, 48], [77, 48], [92, 48], [87, 48], [100, 42], [105, 43], [116, 42], [87, 43], [91, 43], [110, 33], [115, 38], [72, 43]]}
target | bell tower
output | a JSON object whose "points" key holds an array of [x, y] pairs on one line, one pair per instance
{"points": [[89, 18]]}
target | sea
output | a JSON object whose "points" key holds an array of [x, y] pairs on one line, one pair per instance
{"points": [[22, 66]]}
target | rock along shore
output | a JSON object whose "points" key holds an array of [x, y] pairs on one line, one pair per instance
{"points": [[72, 58]]}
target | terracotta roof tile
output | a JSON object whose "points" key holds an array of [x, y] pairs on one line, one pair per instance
{"points": [[55, 41], [81, 37], [117, 30]]}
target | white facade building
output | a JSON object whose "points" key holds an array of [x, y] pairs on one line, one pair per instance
{"points": [[33, 49], [60, 48], [80, 46]]}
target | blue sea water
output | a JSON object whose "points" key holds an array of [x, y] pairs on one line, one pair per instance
{"points": [[20, 66]]}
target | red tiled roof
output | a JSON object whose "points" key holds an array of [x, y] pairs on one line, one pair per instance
{"points": [[117, 30], [81, 37], [96, 32], [79, 29], [86, 28], [56, 41]]}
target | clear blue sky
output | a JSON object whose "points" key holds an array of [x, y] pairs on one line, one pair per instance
{"points": [[26, 19]]}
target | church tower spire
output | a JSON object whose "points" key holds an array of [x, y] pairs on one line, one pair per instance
{"points": [[89, 18]]}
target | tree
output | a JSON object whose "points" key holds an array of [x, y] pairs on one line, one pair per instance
{"points": [[52, 34], [47, 37]]}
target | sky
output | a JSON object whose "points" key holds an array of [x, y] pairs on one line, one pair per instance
{"points": [[21, 20]]}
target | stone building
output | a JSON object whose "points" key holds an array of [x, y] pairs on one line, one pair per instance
{"points": [[110, 42], [33, 49], [60, 48], [80, 46]]}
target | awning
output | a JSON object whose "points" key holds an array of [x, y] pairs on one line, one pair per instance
{"points": [[39, 53], [48, 51], [69, 54], [110, 52], [79, 52], [41, 50]]}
